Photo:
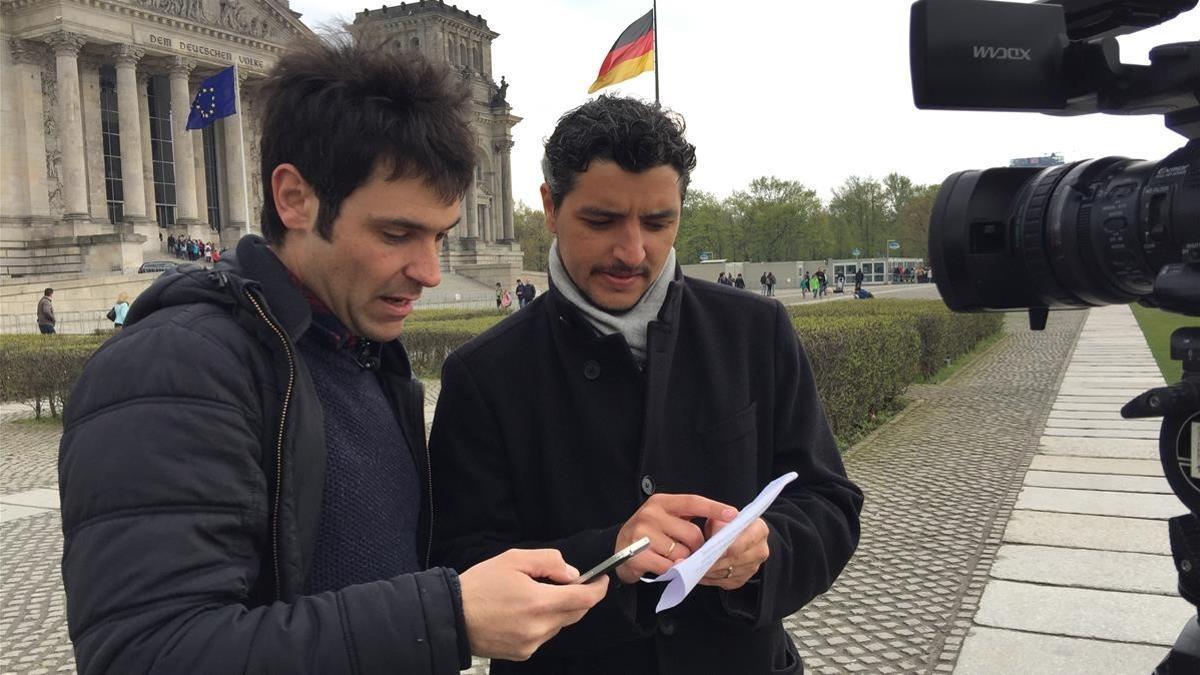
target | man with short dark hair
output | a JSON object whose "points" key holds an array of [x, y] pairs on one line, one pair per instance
{"points": [[270, 511], [657, 402], [45, 313]]}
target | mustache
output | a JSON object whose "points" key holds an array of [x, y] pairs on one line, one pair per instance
{"points": [[621, 269]]}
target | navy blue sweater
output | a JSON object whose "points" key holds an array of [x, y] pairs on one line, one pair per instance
{"points": [[371, 498]]}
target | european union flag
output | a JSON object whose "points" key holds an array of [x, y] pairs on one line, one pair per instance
{"points": [[216, 99]]}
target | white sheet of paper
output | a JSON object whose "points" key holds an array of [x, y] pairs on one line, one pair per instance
{"points": [[685, 574]]}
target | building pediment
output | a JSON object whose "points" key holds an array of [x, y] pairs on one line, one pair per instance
{"points": [[259, 19]]}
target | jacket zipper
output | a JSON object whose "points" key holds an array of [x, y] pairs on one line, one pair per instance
{"points": [[287, 397], [428, 472]]}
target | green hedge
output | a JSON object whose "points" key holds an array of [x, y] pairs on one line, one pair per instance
{"points": [[42, 369], [422, 316], [944, 335], [864, 353], [862, 365], [429, 343]]}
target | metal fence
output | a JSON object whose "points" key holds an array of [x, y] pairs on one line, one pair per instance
{"points": [[87, 322], [74, 323]]}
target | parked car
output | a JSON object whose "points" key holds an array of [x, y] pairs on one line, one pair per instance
{"points": [[155, 266]]}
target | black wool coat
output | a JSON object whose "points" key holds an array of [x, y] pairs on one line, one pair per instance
{"points": [[558, 450]]}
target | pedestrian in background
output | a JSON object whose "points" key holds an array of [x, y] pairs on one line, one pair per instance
{"points": [[119, 310], [45, 313]]}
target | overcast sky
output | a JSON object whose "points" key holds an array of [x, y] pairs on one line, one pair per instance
{"points": [[813, 91]]}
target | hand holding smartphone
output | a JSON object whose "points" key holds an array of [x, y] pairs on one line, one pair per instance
{"points": [[617, 559]]}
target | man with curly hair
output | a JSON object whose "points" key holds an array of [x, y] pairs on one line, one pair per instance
{"points": [[658, 403]]}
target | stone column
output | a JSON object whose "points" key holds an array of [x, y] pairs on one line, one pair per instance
{"points": [[27, 54], [505, 149], [235, 172], [143, 104], [66, 48], [126, 58], [93, 143], [200, 164], [470, 220], [181, 140], [201, 177]]}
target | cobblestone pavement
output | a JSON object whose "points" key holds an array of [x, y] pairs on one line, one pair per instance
{"points": [[33, 623], [940, 482]]}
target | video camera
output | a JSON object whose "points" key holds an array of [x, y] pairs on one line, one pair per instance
{"points": [[1087, 233]]}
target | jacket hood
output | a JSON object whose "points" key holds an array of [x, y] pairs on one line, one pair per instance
{"points": [[182, 285], [252, 265]]}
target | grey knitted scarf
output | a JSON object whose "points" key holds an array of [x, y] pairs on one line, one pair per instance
{"points": [[630, 323]]}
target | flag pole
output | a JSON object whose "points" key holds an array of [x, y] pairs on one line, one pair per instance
{"points": [[654, 11], [241, 143]]}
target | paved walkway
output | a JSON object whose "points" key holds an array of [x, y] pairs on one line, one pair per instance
{"points": [[945, 561], [940, 480], [1083, 580]]}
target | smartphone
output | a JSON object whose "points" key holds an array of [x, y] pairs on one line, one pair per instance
{"points": [[617, 559]]}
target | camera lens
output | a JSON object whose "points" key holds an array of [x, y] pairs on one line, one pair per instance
{"points": [[1089, 233]]}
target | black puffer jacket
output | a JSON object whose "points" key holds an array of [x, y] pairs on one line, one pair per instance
{"points": [[191, 470]]}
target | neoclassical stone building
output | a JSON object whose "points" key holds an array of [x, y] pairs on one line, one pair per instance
{"points": [[95, 161], [94, 98], [483, 246]]}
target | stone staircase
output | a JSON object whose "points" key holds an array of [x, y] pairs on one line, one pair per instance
{"points": [[41, 258]]}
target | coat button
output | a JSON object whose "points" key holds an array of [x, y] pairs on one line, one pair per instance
{"points": [[666, 627], [647, 485], [591, 370]]}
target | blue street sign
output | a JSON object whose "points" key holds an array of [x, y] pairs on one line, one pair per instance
{"points": [[893, 244]]}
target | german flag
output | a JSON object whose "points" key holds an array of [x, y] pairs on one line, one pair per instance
{"points": [[631, 55]]}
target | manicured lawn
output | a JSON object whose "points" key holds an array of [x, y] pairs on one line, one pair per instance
{"points": [[1157, 326]]}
